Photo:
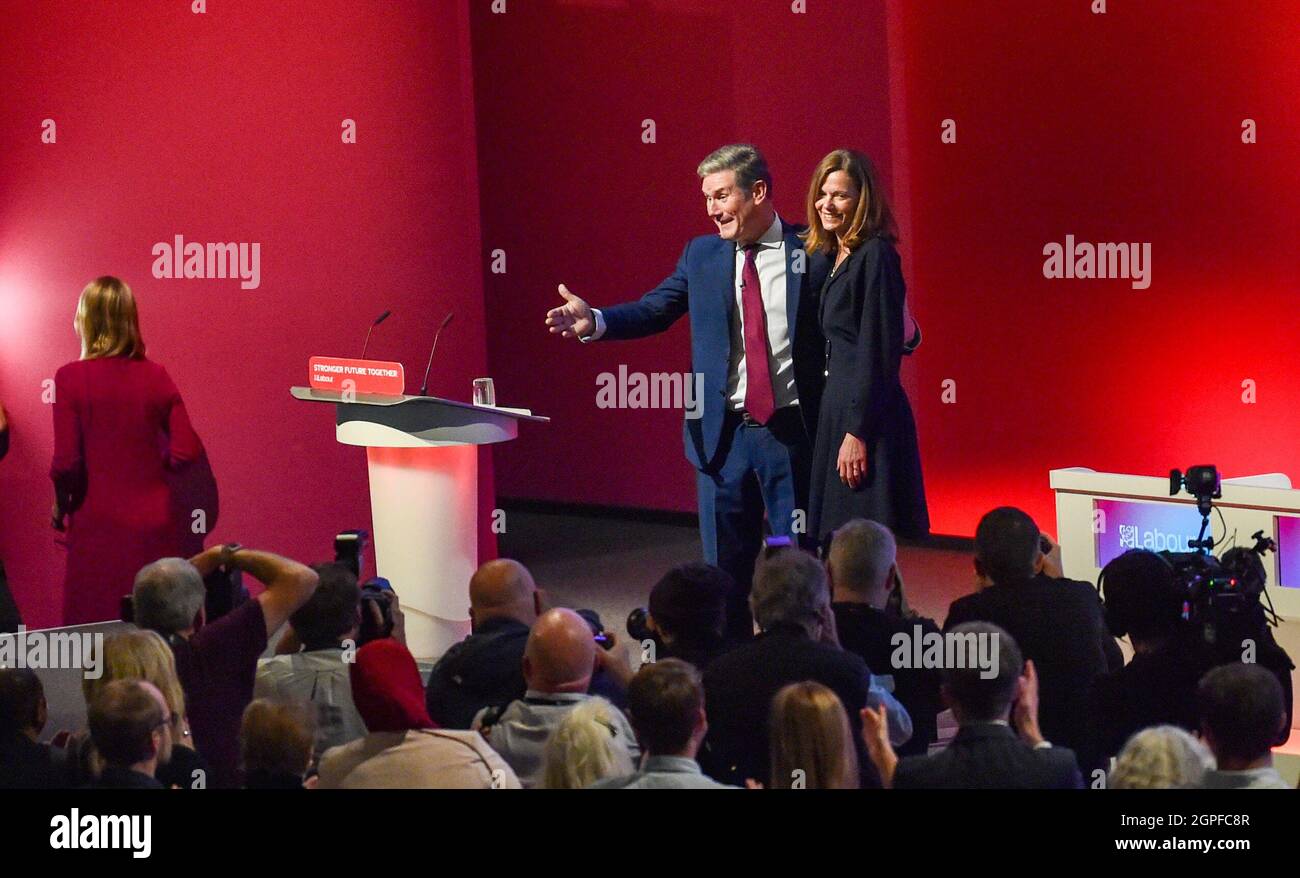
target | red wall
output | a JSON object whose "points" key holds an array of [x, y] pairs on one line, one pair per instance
{"points": [[1116, 127], [225, 126]]}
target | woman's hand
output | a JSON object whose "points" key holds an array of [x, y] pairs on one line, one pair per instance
{"points": [[852, 463], [875, 737], [56, 517]]}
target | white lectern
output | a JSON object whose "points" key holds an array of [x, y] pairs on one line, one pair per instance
{"points": [[423, 465]]}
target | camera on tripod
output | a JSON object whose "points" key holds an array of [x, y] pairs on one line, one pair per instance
{"points": [[1223, 594]]}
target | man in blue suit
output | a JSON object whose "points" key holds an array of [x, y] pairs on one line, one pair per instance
{"points": [[756, 342]]}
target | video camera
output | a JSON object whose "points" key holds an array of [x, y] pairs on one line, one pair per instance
{"points": [[1223, 594]]}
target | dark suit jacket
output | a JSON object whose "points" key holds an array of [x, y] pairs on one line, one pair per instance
{"points": [[114, 778], [989, 756], [868, 632], [27, 765], [738, 691], [1058, 624], [703, 284]]}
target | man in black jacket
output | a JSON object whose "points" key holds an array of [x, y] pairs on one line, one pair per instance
{"points": [[790, 601], [987, 752], [131, 727], [870, 620], [486, 668], [24, 762], [1057, 622]]}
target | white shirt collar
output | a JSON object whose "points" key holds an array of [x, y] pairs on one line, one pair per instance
{"points": [[773, 237]]}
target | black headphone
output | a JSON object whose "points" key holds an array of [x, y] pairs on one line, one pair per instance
{"points": [[1120, 613]]}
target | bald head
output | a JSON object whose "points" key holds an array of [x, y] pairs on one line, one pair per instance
{"points": [[561, 653], [502, 588]]}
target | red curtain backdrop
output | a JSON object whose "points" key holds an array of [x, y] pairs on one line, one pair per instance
{"points": [[226, 126], [1119, 127]]}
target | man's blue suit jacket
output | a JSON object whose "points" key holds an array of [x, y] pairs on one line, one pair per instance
{"points": [[703, 284]]}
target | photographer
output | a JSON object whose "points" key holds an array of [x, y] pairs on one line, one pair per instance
{"points": [[686, 616], [310, 665], [216, 663], [1144, 602], [1246, 627]]}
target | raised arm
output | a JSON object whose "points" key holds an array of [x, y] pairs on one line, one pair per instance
{"points": [[289, 584], [654, 312]]}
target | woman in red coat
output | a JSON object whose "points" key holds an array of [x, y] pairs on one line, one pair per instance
{"points": [[119, 427]]}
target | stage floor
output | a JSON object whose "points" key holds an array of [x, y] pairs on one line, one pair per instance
{"points": [[609, 563]]}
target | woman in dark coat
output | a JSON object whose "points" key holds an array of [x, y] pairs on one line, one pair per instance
{"points": [[865, 462]]}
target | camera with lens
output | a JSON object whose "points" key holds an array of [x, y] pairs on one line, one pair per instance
{"points": [[376, 592]]}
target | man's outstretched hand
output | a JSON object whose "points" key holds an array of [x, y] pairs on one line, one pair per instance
{"points": [[573, 319]]}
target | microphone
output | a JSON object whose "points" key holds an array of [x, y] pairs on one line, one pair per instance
{"points": [[424, 388], [378, 320]]}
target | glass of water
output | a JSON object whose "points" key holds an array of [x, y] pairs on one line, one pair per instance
{"points": [[484, 392]]}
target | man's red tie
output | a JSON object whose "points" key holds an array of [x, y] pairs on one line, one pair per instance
{"points": [[759, 401]]}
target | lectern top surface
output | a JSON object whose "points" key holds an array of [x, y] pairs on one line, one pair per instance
{"points": [[312, 395]]}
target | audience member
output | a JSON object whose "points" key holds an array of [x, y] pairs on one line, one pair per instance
{"points": [[865, 584], [986, 752], [217, 662], [318, 674], [1057, 622], [790, 603], [486, 668], [559, 659], [688, 613], [1242, 710], [404, 749], [1160, 758], [24, 762], [812, 745], [666, 703], [143, 655], [276, 742], [1158, 685], [584, 748], [131, 730]]}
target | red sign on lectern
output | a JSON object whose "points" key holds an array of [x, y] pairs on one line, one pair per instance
{"points": [[375, 377]]}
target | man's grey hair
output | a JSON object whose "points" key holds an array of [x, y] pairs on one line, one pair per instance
{"points": [[1160, 758], [790, 588], [168, 595], [744, 159], [862, 551]]}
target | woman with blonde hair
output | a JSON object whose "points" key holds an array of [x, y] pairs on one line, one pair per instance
{"points": [[866, 463], [137, 654], [812, 745], [1160, 758], [119, 428], [582, 748]]}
